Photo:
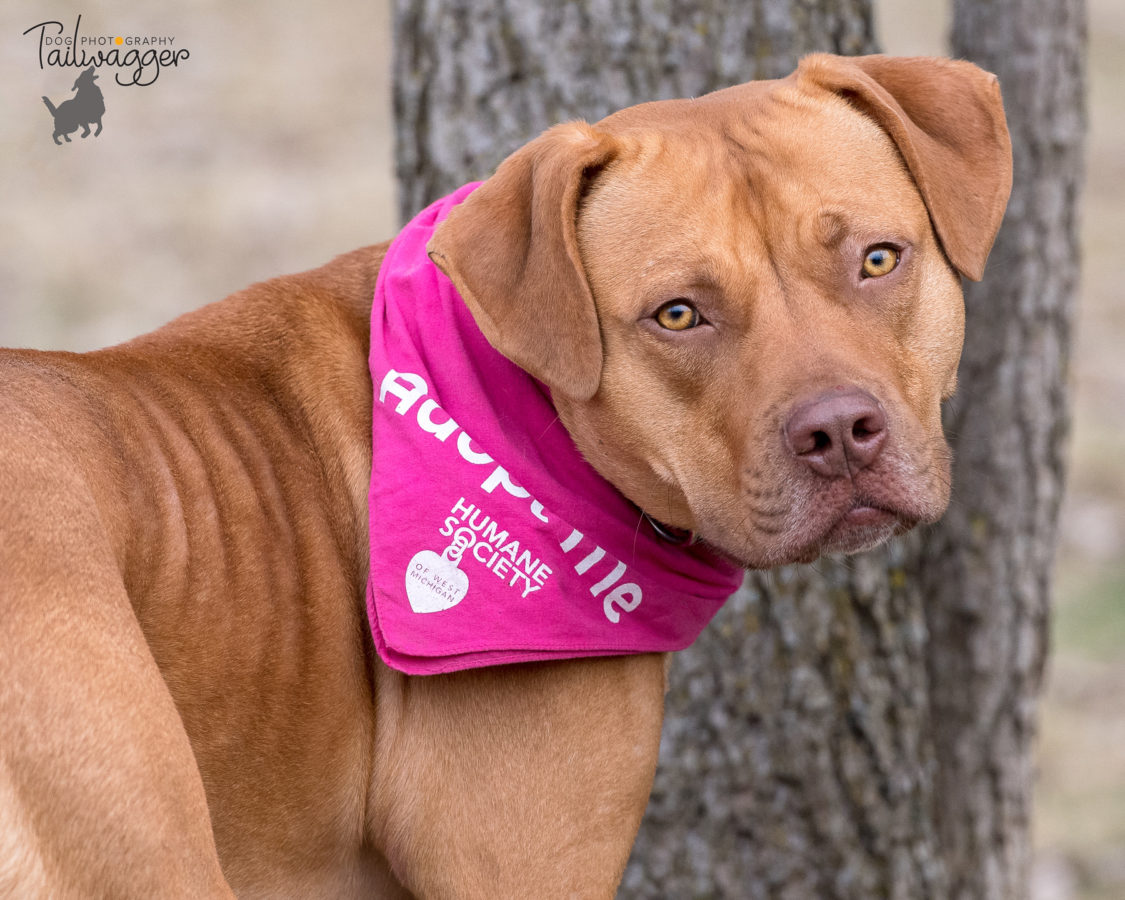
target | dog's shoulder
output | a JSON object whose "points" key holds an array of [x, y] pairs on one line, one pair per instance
{"points": [[350, 274]]}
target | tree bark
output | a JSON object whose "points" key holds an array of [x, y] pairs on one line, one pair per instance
{"points": [[475, 80], [795, 761], [986, 572], [857, 728]]}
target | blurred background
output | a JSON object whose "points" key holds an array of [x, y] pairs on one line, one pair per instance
{"points": [[268, 150]]}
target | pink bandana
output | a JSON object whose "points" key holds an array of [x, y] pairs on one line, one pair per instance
{"points": [[492, 539]]}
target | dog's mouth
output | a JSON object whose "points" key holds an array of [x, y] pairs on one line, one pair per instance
{"points": [[803, 520], [865, 515], [861, 526]]}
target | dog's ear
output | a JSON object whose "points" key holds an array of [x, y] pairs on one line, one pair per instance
{"points": [[511, 250], [947, 119]]}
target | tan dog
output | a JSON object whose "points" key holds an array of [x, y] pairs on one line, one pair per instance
{"points": [[748, 310]]}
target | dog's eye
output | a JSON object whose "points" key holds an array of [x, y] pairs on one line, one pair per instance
{"points": [[677, 315], [879, 261]]}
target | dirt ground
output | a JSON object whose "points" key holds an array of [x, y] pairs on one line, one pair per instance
{"points": [[268, 149]]}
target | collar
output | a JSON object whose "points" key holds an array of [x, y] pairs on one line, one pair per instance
{"points": [[678, 536]]}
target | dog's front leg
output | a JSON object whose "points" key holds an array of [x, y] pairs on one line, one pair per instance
{"points": [[516, 781]]}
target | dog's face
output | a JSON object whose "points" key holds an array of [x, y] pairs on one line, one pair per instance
{"points": [[766, 320], [729, 278]]}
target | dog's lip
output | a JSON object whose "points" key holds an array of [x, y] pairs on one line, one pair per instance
{"points": [[866, 512], [859, 522], [862, 524], [866, 515]]}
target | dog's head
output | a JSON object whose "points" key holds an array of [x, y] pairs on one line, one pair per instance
{"points": [[87, 77], [747, 306]]}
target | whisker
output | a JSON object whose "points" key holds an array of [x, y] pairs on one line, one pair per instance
{"points": [[550, 425]]}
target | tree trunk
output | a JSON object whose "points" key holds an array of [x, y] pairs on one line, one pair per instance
{"points": [[986, 573], [831, 733], [475, 80], [795, 761]]}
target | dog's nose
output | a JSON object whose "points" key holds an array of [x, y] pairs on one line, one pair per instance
{"points": [[837, 433]]}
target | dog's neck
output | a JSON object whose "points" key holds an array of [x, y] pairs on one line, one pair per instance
{"points": [[326, 380]]}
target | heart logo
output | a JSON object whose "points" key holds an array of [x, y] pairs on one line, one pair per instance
{"points": [[434, 583]]}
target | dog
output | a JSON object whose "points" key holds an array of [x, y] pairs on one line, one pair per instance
{"points": [[745, 310], [86, 107]]}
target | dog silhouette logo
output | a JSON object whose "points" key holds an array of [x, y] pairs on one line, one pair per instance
{"points": [[84, 109]]}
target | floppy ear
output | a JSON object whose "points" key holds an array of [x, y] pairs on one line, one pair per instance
{"points": [[947, 119], [511, 251]]}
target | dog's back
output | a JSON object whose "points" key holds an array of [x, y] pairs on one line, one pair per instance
{"points": [[159, 539]]}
